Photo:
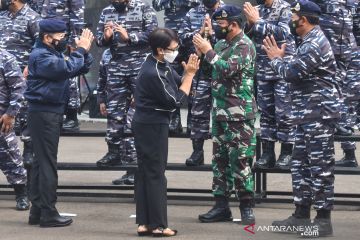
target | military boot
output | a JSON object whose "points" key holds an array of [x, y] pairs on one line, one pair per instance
{"points": [[301, 217], [343, 131], [22, 202], [285, 156], [71, 123], [28, 154], [111, 158], [127, 179], [197, 157], [267, 159], [34, 216], [219, 213], [175, 123], [321, 227], [349, 160]]}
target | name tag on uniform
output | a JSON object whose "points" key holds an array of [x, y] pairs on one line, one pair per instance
{"points": [[111, 18]]}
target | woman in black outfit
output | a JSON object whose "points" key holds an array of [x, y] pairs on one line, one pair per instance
{"points": [[159, 91]]}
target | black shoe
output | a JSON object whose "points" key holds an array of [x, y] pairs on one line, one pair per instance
{"points": [[127, 179], [28, 154], [197, 157], [319, 228], [216, 214], [247, 216], [22, 202], [291, 224], [175, 123], [53, 219], [285, 156], [349, 160], [343, 131], [34, 216], [267, 159], [111, 158], [70, 125]]}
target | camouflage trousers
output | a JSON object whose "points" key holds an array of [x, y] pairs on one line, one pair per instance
{"points": [[234, 146], [348, 119], [274, 105], [74, 94], [200, 109], [312, 165], [10, 159]]}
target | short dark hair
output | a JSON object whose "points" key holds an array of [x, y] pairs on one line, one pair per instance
{"points": [[313, 20], [162, 38]]}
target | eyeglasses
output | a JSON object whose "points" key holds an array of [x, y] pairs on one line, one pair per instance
{"points": [[173, 50]]}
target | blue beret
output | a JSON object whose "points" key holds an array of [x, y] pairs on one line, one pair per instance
{"points": [[305, 7], [227, 12], [52, 25]]}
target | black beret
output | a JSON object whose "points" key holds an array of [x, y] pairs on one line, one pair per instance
{"points": [[227, 12], [305, 7], [52, 25]]}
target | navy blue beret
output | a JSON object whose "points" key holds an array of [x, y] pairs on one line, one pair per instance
{"points": [[227, 12], [52, 25], [306, 7]]}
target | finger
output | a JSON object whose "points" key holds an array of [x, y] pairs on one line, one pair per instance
{"points": [[7, 128], [183, 64], [273, 41], [266, 45], [283, 46]]}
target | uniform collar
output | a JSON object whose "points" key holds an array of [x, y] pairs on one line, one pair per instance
{"points": [[312, 32], [21, 12], [236, 38]]}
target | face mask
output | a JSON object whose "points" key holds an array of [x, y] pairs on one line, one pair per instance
{"points": [[221, 32], [293, 25], [170, 56], [259, 2], [60, 45], [120, 6], [209, 4], [4, 4]]}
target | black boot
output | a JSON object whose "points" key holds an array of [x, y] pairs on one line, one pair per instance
{"points": [[71, 123], [301, 217], [267, 159], [127, 179], [349, 160], [111, 158], [51, 218], [219, 213], [321, 227], [175, 122], [22, 202], [246, 212], [28, 154], [343, 131], [285, 156], [35, 214], [197, 157]]}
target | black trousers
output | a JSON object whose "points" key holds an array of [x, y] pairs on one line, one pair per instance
{"points": [[45, 132], [151, 143]]}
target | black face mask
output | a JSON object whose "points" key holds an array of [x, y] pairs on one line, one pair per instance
{"points": [[221, 32], [293, 25], [259, 2], [60, 45], [4, 4], [120, 6], [209, 4]]}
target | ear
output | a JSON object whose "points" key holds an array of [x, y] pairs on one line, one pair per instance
{"points": [[160, 51]]}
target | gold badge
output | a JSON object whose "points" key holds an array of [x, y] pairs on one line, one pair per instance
{"points": [[224, 14]]}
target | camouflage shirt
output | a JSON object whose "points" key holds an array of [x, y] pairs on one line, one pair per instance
{"points": [[18, 33], [311, 73], [12, 84], [233, 79], [102, 82]]}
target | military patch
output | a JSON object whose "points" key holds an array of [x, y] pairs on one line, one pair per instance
{"points": [[224, 14], [297, 7]]}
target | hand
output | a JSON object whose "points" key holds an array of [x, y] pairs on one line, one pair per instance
{"points": [[103, 109], [251, 13], [26, 72], [192, 65], [7, 123], [201, 44], [206, 23], [198, 52], [123, 33], [85, 39], [108, 30], [271, 48]]}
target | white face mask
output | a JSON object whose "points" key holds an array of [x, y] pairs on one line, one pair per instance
{"points": [[170, 56]]}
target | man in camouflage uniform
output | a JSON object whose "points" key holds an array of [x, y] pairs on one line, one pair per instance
{"points": [[18, 32], [12, 86], [272, 17], [315, 109], [195, 22], [175, 11], [124, 27], [233, 114], [71, 12]]}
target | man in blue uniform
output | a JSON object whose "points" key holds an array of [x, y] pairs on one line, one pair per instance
{"points": [[315, 109]]}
